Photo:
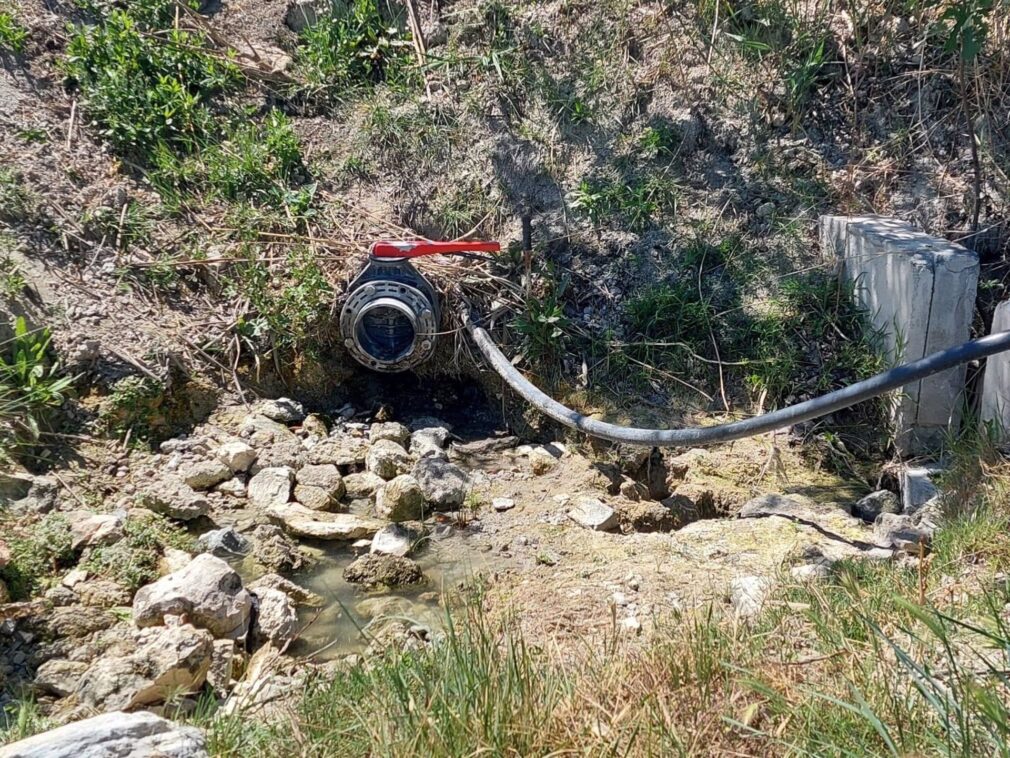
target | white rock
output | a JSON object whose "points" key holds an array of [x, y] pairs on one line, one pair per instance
{"points": [[232, 488], [503, 504], [390, 430], [387, 459], [362, 485], [89, 529], [282, 410], [207, 591], [236, 455], [168, 662], [271, 486], [58, 676], [594, 514], [319, 486], [298, 594], [340, 450], [810, 572], [276, 618], [113, 735], [400, 499], [396, 539], [174, 498], [429, 441], [304, 522], [748, 594], [202, 475], [443, 484]]}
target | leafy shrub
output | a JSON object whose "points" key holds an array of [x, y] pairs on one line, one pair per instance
{"points": [[37, 553], [639, 203], [148, 84], [133, 561], [31, 386], [12, 34]]}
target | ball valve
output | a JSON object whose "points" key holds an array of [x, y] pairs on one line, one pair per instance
{"points": [[391, 316]]}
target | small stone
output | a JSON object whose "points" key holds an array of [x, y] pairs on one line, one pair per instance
{"points": [[59, 677], [631, 625], [891, 530], [298, 594], [541, 461], [502, 504], [314, 427], [276, 619], [400, 499], [89, 529], [303, 522], [236, 455], [429, 441], [174, 498], [202, 475], [765, 210], [224, 543], [232, 488], [282, 410], [275, 550], [319, 486], [591, 513], [271, 486], [398, 538], [342, 451], [811, 572], [387, 459], [871, 506]]}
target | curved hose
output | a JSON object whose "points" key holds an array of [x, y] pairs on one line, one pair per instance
{"points": [[793, 414]]}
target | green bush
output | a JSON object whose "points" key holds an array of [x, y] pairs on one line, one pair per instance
{"points": [[147, 84], [12, 34], [37, 554], [133, 561]]}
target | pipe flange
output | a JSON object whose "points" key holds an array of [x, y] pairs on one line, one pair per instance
{"points": [[388, 325]]}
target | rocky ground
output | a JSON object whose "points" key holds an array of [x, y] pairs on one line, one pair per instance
{"points": [[576, 546]]}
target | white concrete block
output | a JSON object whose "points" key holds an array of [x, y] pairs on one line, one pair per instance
{"points": [[920, 292], [995, 401]]}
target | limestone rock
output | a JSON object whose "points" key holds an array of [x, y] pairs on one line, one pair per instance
{"points": [[236, 455], [892, 530], [430, 440], [103, 593], [232, 488], [541, 461], [443, 484], [113, 735], [202, 475], [341, 450], [224, 542], [389, 430], [398, 538], [400, 499], [271, 486], [319, 486], [282, 410], [222, 667], [871, 506], [262, 432], [276, 619], [288, 454], [748, 594], [89, 529], [303, 522], [502, 504], [174, 498], [276, 550], [591, 513], [76, 621], [362, 485], [298, 594], [387, 459], [59, 677], [5, 554], [168, 661], [374, 569], [208, 592]]}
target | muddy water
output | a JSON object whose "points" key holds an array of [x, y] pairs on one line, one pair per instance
{"points": [[339, 627]]}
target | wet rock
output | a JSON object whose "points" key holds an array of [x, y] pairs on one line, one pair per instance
{"points": [[374, 569], [429, 441], [748, 594], [276, 618], [591, 513], [236, 455], [389, 430], [443, 484], [387, 459], [114, 735], [168, 661], [400, 499], [202, 475], [224, 542], [871, 506], [208, 592], [502, 504], [892, 530], [89, 529], [362, 485], [282, 410], [271, 486], [174, 498], [398, 538], [303, 522], [59, 677], [319, 486], [342, 451], [275, 550], [298, 594]]}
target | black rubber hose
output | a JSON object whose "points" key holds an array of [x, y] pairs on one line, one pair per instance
{"points": [[793, 414]]}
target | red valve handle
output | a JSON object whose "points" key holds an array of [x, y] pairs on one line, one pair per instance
{"points": [[417, 248]]}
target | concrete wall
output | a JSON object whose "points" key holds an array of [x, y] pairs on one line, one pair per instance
{"points": [[920, 292], [995, 401]]}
